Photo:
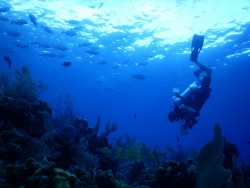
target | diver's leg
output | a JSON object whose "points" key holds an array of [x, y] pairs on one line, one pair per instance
{"points": [[198, 72], [194, 56], [204, 68]]}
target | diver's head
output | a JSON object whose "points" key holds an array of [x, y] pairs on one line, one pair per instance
{"points": [[172, 116]]}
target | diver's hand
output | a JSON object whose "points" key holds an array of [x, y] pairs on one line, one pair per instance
{"points": [[176, 90]]}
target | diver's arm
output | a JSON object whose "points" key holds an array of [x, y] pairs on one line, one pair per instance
{"points": [[189, 109]]}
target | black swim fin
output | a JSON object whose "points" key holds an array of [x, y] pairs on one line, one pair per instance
{"points": [[196, 46]]}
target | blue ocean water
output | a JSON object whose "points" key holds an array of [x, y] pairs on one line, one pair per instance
{"points": [[128, 56]]}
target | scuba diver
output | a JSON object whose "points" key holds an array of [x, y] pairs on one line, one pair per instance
{"points": [[186, 106]]}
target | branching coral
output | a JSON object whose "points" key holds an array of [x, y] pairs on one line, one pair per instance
{"points": [[109, 128]]}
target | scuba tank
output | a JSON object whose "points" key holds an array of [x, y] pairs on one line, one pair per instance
{"points": [[187, 94]]}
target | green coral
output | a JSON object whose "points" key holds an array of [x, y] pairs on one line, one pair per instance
{"points": [[121, 184], [210, 172], [20, 89], [135, 151], [47, 172], [63, 179], [24, 87], [61, 182]]}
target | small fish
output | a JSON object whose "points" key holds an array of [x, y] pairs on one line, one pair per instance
{"points": [[70, 32], [61, 47], [135, 116], [4, 9], [19, 21], [79, 28], [13, 33], [47, 54], [248, 141], [20, 44], [66, 64], [85, 44], [100, 6], [7, 60], [44, 45], [47, 29], [115, 66], [92, 51], [33, 19], [4, 18], [72, 22], [102, 62], [138, 76]]}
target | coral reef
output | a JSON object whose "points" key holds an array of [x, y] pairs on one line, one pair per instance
{"points": [[38, 149]]}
